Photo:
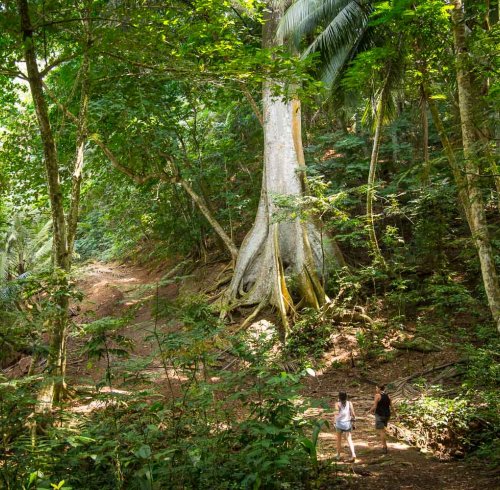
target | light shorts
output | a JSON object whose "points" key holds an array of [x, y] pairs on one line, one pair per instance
{"points": [[380, 421], [340, 430]]}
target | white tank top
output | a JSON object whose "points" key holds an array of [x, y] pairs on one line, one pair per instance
{"points": [[344, 415]]}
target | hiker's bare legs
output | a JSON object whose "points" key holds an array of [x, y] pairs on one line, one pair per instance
{"points": [[339, 443], [382, 438], [351, 444]]}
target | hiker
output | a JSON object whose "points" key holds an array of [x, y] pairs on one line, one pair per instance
{"points": [[344, 423], [381, 408]]}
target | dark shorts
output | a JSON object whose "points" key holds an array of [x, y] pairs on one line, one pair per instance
{"points": [[380, 421]]}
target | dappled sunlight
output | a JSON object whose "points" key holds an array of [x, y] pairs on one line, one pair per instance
{"points": [[327, 435], [91, 403], [399, 446], [91, 406]]}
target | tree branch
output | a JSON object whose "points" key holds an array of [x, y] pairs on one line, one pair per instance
{"points": [[142, 179], [254, 105], [58, 61], [139, 179]]}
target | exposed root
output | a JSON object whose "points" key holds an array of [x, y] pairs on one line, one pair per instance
{"points": [[173, 272], [253, 315], [351, 315], [219, 283]]}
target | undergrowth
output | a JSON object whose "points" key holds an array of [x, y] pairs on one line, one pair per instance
{"points": [[465, 421], [230, 429]]}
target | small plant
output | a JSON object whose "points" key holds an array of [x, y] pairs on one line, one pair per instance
{"points": [[105, 341], [310, 337]]}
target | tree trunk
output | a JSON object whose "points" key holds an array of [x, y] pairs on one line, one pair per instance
{"points": [[81, 140], [426, 170], [370, 193], [202, 206], [275, 252], [52, 391], [479, 225], [460, 181]]}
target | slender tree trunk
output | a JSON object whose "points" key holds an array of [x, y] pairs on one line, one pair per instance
{"points": [[426, 170], [370, 193], [460, 181], [81, 141], [273, 252], [479, 225], [49, 146], [395, 145], [52, 391], [202, 206]]}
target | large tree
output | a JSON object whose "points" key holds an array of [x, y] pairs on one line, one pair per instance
{"points": [[276, 254]]}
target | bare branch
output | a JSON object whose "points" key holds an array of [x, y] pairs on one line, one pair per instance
{"points": [[254, 105], [58, 61]]}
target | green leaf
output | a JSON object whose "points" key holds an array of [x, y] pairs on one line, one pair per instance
{"points": [[144, 452]]}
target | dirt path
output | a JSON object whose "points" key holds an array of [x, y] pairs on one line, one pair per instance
{"points": [[114, 290], [110, 289], [404, 467]]}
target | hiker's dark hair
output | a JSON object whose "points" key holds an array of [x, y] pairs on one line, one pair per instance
{"points": [[342, 398], [381, 386]]}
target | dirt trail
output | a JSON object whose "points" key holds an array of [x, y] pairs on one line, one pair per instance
{"points": [[404, 467], [112, 288]]}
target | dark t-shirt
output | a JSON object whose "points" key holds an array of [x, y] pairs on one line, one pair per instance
{"points": [[384, 406]]}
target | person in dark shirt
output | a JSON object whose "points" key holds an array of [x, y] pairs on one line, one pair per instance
{"points": [[382, 409]]}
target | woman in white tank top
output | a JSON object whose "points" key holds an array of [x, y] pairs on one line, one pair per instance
{"points": [[343, 423]]}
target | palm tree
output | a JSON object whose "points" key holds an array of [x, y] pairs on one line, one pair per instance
{"points": [[341, 25], [23, 250]]}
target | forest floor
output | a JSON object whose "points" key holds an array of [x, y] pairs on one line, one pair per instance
{"points": [[112, 288]]}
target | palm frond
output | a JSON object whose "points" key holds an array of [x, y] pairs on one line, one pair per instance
{"points": [[304, 16], [4, 264], [341, 23], [41, 243], [345, 29], [334, 65]]}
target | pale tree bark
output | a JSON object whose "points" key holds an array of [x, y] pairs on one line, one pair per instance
{"points": [[274, 252], [478, 223]]}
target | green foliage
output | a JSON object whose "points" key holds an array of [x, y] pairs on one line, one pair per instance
{"points": [[170, 92], [104, 340], [244, 428], [310, 338], [455, 426], [463, 423], [28, 312], [483, 369]]}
